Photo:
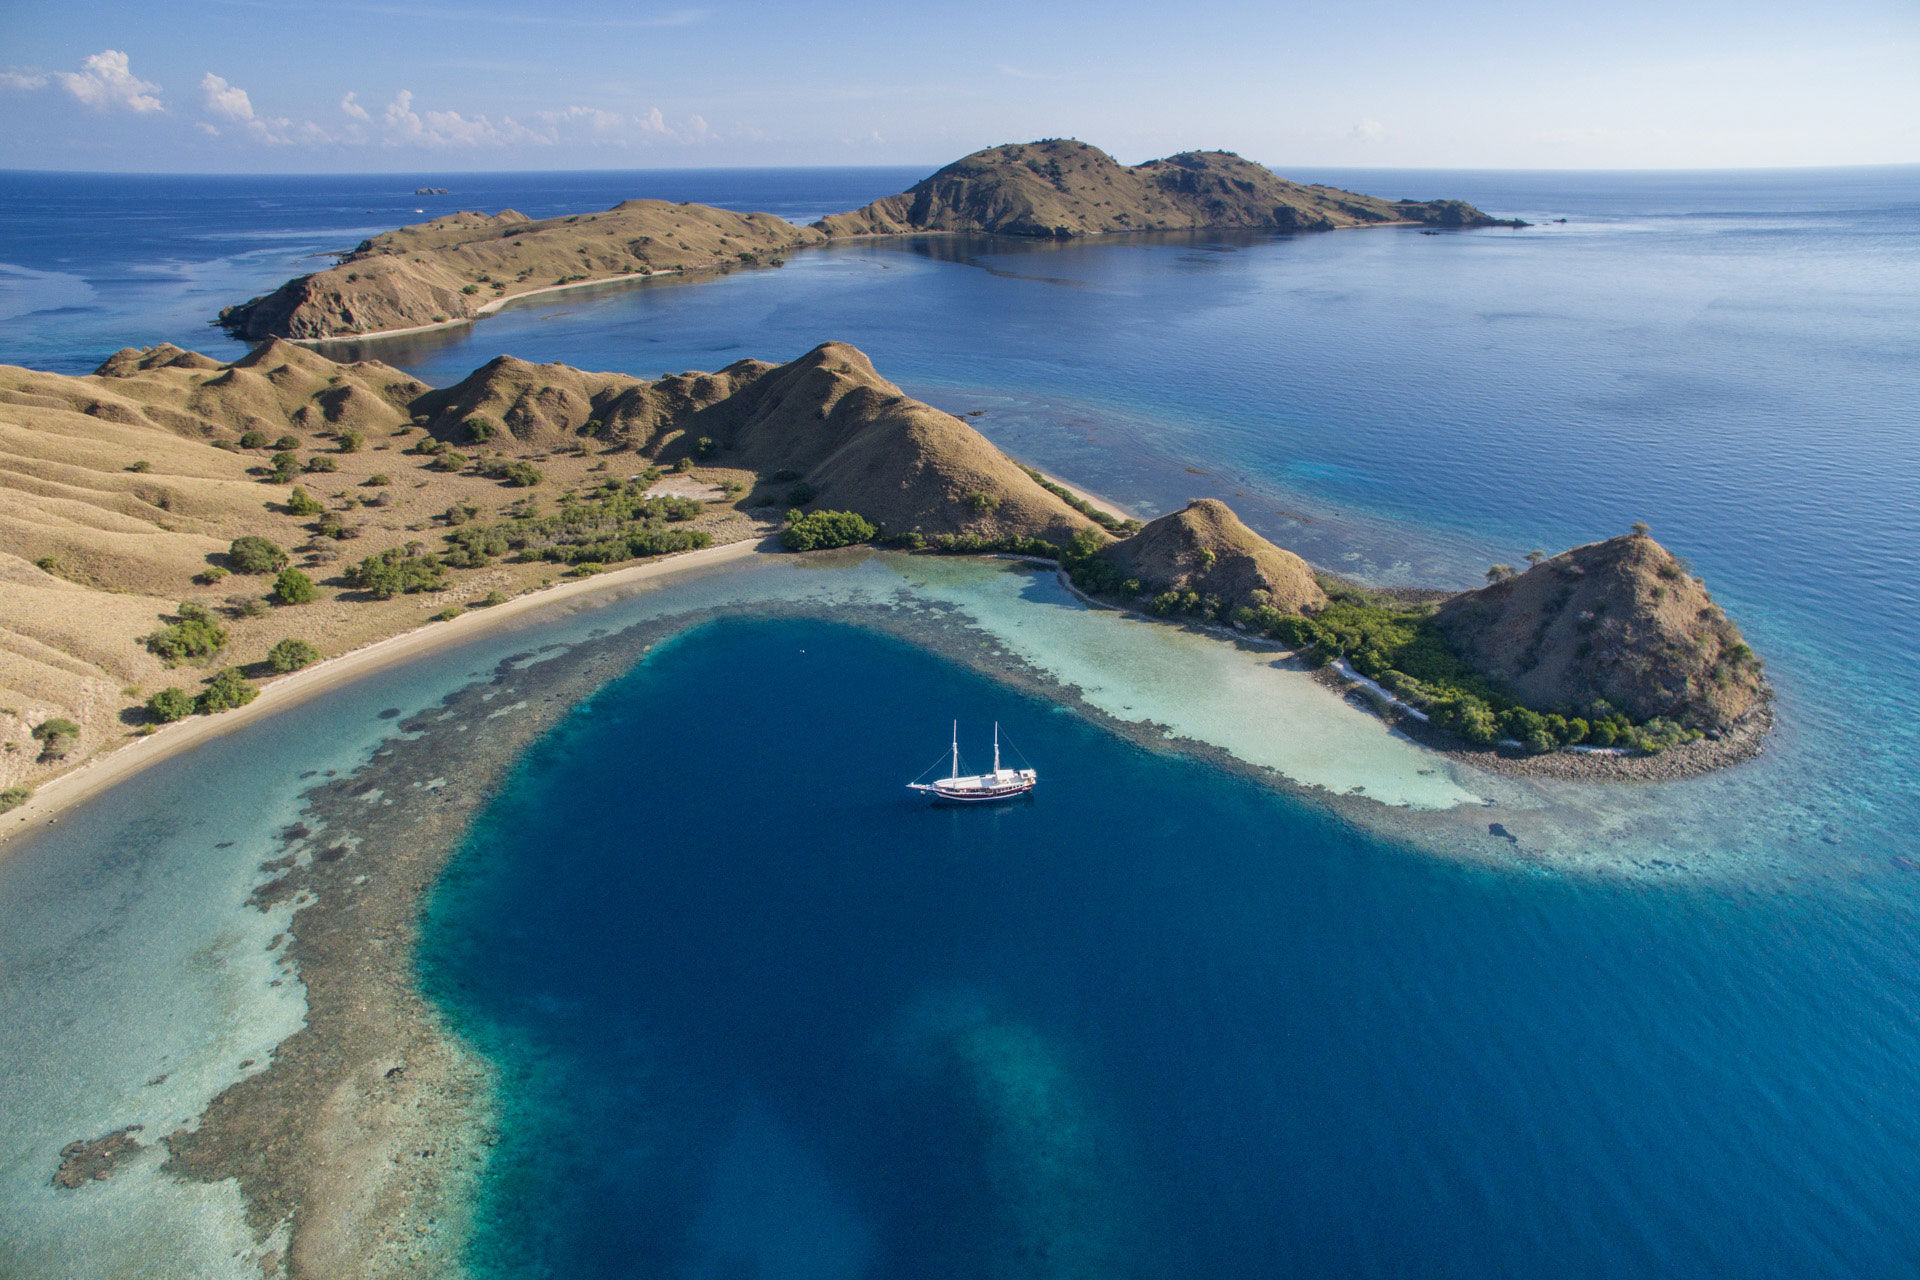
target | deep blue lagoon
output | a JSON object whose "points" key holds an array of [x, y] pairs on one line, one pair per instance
{"points": [[760, 1012]]}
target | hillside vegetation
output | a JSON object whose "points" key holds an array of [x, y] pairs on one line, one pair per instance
{"points": [[1060, 188]]}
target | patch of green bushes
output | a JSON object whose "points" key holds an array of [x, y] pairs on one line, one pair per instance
{"points": [[819, 530], [291, 654], [511, 471], [228, 689], [302, 503], [294, 587], [397, 571], [614, 522], [252, 554], [170, 704], [13, 797], [195, 636]]}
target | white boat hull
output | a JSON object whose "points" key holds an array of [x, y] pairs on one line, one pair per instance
{"points": [[985, 788]]}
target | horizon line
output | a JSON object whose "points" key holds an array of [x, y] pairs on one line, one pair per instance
{"points": [[737, 168]]}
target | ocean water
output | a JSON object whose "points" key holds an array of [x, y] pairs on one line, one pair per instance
{"points": [[1164, 1015], [765, 1014]]}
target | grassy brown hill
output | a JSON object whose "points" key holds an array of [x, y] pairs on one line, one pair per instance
{"points": [[827, 421], [121, 492], [1060, 188], [464, 265], [1205, 549], [1620, 620]]}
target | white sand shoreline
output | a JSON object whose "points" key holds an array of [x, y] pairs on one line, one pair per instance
{"points": [[484, 310], [56, 795]]}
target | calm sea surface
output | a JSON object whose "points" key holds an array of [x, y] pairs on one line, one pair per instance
{"points": [[761, 1017]]}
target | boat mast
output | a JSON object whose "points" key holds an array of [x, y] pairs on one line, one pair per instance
{"points": [[956, 749], [996, 746]]}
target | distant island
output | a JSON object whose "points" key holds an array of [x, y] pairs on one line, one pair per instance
{"points": [[467, 265], [182, 528], [1062, 189]]}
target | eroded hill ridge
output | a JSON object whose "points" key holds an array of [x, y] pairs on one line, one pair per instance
{"points": [[466, 265]]}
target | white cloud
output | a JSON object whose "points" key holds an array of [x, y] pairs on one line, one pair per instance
{"points": [[23, 79], [450, 128], [106, 80], [224, 99], [1369, 131], [593, 117], [230, 102], [352, 107], [654, 122]]}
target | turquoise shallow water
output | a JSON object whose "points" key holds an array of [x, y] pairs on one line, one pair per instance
{"points": [[1180, 1013]]}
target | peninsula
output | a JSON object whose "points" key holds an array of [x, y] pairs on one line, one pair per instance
{"points": [[174, 529], [466, 265]]}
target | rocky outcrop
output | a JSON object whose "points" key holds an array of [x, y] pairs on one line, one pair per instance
{"points": [[1061, 189], [1621, 622], [1204, 548]]}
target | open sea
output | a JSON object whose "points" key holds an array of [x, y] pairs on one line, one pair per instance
{"points": [[758, 1014]]}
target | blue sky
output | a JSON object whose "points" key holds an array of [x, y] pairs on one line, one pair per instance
{"points": [[409, 85]]}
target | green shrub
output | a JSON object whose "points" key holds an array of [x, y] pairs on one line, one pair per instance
{"points": [[142, 466], [449, 460], [287, 443], [512, 471], [228, 689], [301, 503], [481, 429], [254, 440], [286, 466], [251, 554], [210, 575], [397, 571], [169, 704], [496, 596], [448, 614], [291, 654], [705, 447], [586, 569], [13, 797], [818, 530], [321, 463], [294, 587], [980, 502], [56, 738], [350, 441], [196, 635], [801, 494]]}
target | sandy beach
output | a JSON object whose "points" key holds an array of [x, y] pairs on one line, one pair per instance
{"points": [[51, 798], [484, 310]]}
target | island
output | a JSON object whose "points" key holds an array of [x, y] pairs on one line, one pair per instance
{"points": [[1061, 189], [467, 265], [181, 529]]}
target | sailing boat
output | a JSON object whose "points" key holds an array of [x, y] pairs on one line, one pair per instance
{"points": [[1001, 784]]}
